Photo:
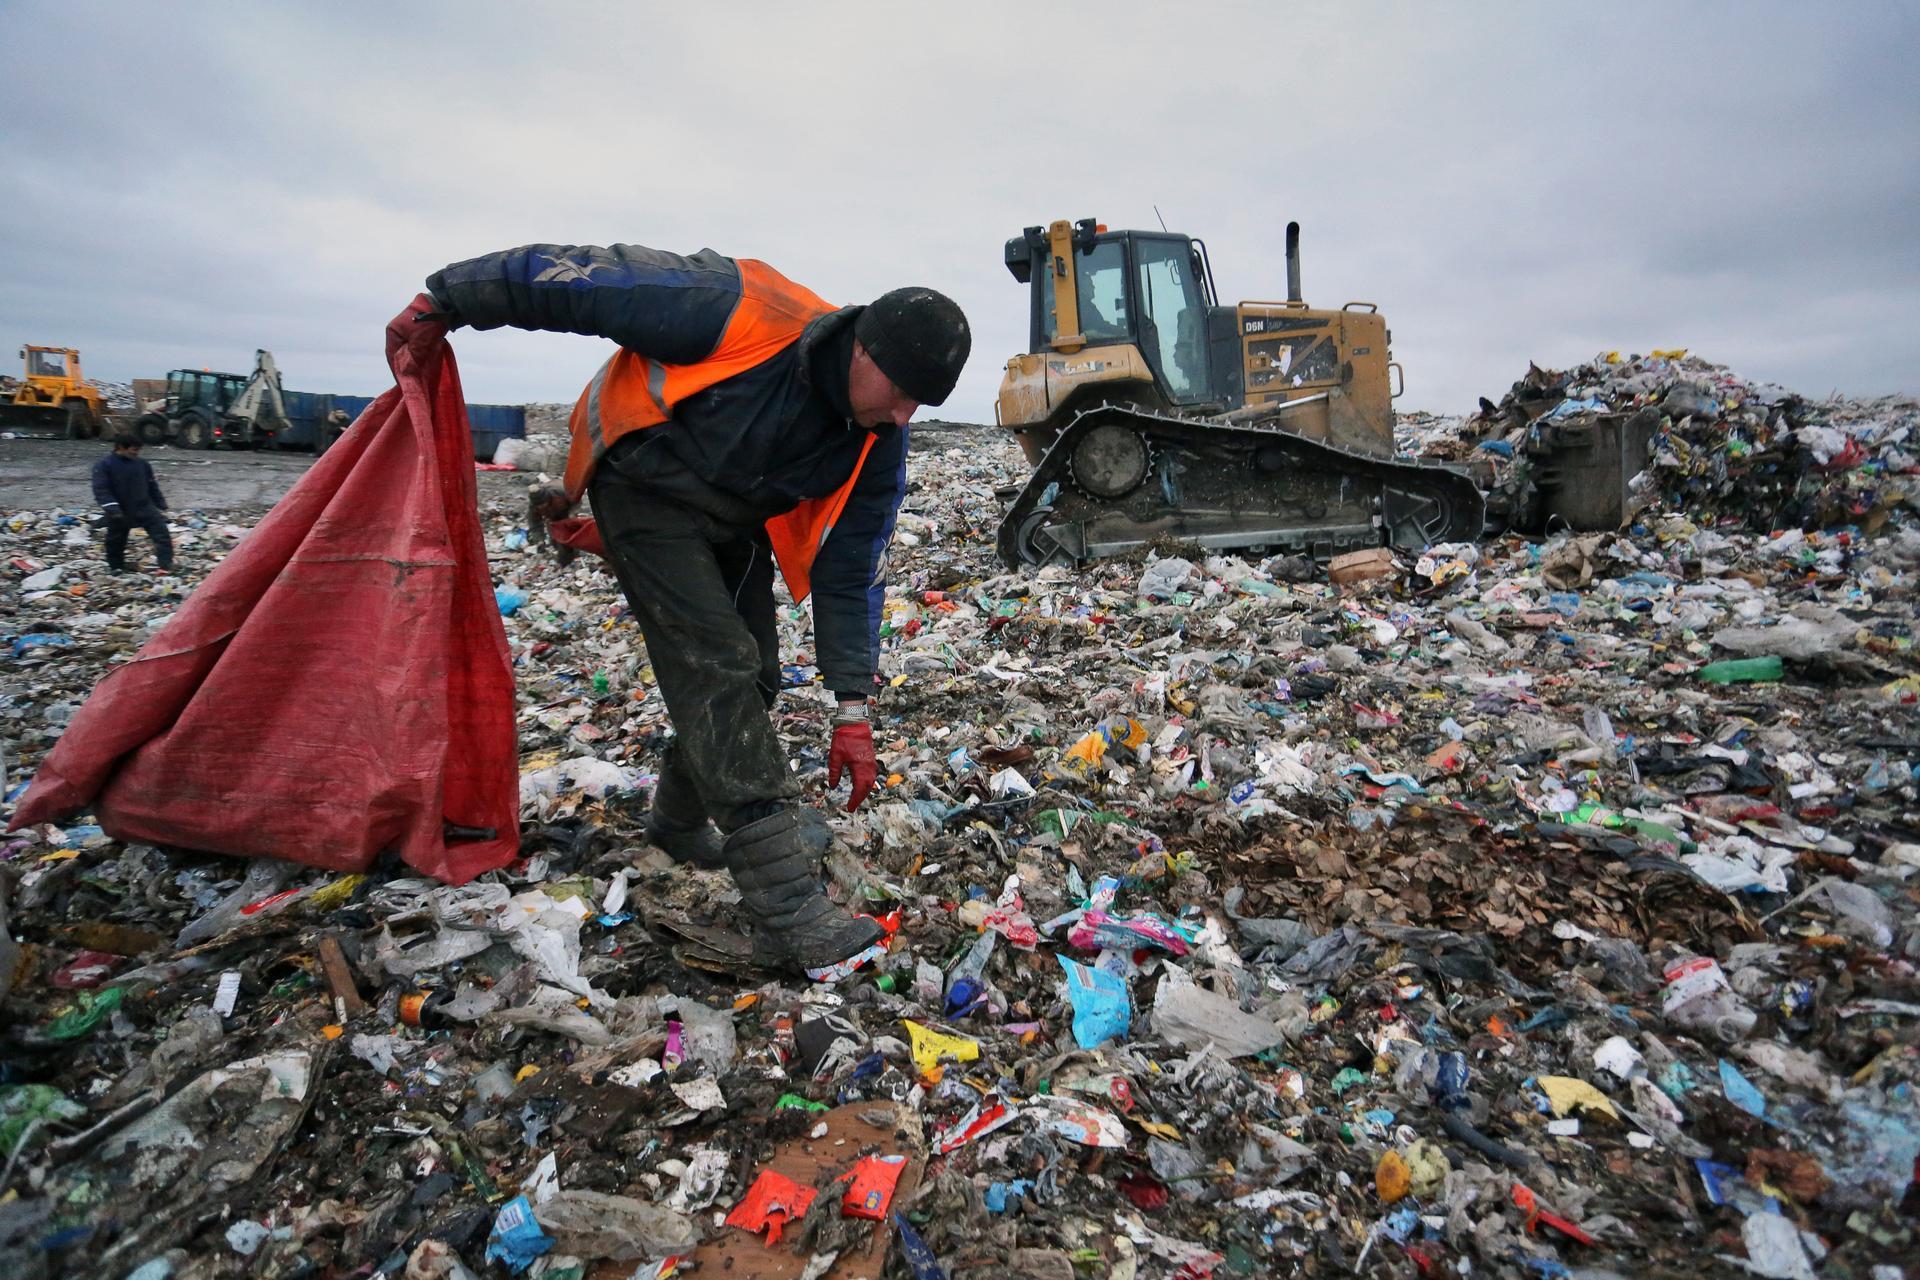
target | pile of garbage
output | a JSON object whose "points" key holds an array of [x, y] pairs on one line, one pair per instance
{"points": [[1521, 909], [1726, 452]]}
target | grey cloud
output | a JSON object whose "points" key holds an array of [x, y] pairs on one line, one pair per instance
{"points": [[1537, 182]]}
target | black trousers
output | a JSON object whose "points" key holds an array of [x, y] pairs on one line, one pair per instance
{"points": [[702, 591], [154, 522]]}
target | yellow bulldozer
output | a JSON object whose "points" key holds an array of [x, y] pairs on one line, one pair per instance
{"points": [[52, 399], [1150, 411]]}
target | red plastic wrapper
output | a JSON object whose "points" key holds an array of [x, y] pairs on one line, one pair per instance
{"points": [[340, 684], [870, 1187], [87, 970], [773, 1201], [1145, 1190]]}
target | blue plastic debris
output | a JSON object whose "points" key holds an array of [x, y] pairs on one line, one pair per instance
{"points": [[1876, 1151], [508, 598], [1742, 1092], [516, 1238], [40, 640], [914, 1250], [1400, 1224], [1449, 1087], [1548, 1019], [1676, 1078], [1569, 407], [1101, 1010], [1726, 1185], [1000, 1194]]}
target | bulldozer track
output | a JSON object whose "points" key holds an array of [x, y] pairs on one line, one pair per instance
{"points": [[1232, 485]]}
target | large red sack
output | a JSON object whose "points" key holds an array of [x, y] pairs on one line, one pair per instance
{"points": [[340, 684]]}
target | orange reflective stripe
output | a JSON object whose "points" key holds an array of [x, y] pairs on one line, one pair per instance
{"points": [[657, 387], [798, 535], [841, 498], [595, 432]]}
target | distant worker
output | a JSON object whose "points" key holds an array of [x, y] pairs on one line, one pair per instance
{"points": [[129, 495], [743, 422]]}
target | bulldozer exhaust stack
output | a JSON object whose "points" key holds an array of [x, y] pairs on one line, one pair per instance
{"points": [[1293, 262]]}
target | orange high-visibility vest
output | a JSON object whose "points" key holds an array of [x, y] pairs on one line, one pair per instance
{"points": [[632, 393]]}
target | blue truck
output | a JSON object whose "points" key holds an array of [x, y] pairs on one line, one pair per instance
{"points": [[206, 410], [316, 419]]}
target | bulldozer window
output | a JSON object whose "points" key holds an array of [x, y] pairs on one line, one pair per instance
{"points": [[46, 364], [1101, 277], [1170, 299]]}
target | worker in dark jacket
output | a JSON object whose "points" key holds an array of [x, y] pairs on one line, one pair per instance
{"points": [[743, 424], [128, 495]]}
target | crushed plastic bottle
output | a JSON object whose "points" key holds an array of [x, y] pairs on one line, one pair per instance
{"points": [[1699, 998], [1742, 671]]}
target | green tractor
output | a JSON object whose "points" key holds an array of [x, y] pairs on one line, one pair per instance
{"points": [[204, 410]]}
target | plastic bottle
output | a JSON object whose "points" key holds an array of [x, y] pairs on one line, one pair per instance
{"points": [[1699, 999], [1448, 1088], [928, 982], [967, 983], [1742, 671], [259, 893]]}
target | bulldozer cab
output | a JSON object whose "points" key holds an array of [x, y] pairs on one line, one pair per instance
{"points": [[1094, 289], [1134, 317]]}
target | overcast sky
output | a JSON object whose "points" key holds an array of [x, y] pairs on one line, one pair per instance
{"points": [[186, 182]]}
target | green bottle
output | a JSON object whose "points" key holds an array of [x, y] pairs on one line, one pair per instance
{"points": [[601, 684], [1741, 670]]}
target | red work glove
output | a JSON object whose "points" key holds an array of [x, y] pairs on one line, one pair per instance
{"points": [[853, 750]]}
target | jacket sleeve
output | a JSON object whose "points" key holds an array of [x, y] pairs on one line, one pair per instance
{"points": [[102, 484], [850, 573], [153, 487], [665, 306]]}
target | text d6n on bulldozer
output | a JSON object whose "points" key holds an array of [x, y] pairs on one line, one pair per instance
{"points": [[1149, 411]]}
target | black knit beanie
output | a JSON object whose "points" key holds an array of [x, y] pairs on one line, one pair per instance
{"points": [[920, 340]]}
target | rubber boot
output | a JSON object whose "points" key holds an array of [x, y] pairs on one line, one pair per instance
{"points": [[776, 862], [677, 824]]}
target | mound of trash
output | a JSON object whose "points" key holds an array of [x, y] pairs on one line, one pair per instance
{"points": [[1725, 452], [1524, 909]]}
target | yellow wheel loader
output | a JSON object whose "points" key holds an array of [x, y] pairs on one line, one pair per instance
{"points": [[52, 399]]}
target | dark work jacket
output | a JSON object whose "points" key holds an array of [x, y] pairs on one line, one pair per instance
{"points": [[129, 482], [748, 448]]}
